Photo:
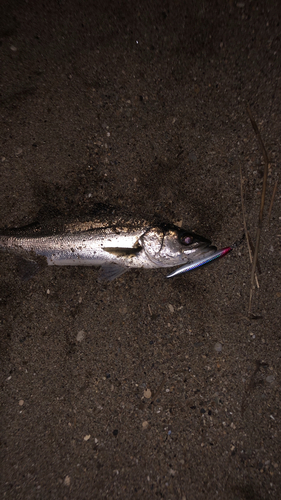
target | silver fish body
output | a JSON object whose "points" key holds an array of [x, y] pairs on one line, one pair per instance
{"points": [[115, 245]]}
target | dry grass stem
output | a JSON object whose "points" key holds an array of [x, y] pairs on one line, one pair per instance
{"points": [[272, 200], [266, 162], [245, 225], [253, 250]]}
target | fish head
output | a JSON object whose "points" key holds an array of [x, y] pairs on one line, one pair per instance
{"points": [[169, 246]]}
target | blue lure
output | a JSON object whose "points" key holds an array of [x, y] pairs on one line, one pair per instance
{"points": [[200, 262]]}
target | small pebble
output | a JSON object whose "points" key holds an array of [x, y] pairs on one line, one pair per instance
{"points": [[270, 379], [145, 424], [218, 347], [80, 336], [147, 393], [192, 157], [123, 310], [66, 481], [21, 402], [18, 151], [171, 308], [87, 437], [179, 224], [13, 48]]}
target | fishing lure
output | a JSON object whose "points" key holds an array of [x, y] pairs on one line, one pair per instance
{"points": [[205, 260]]}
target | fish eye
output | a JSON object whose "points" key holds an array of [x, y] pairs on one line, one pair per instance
{"points": [[186, 240]]}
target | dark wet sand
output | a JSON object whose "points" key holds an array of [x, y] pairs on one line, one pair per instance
{"points": [[146, 387]]}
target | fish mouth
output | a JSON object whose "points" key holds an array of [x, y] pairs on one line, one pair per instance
{"points": [[195, 246], [193, 241]]}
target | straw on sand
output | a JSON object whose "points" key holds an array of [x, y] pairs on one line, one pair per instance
{"points": [[259, 227]]}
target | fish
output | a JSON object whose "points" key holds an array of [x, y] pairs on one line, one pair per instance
{"points": [[200, 262], [115, 243]]}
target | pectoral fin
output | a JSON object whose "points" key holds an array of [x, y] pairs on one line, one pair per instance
{"points": [[123, 252], [109, 272]]}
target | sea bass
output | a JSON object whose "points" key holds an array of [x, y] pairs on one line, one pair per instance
{"points": [[115, 243]]}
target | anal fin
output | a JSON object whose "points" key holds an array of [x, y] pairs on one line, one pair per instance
{"points": [[109, 272], [27, 268]]}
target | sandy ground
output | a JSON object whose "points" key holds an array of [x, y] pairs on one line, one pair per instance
{"points": [[145, 387]]}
